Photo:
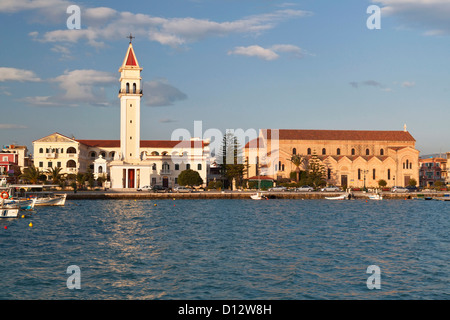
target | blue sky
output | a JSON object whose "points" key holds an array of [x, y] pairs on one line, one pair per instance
{"points": [[232, 64]]}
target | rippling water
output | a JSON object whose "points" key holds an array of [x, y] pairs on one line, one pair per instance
{"points": [[228, 249]]}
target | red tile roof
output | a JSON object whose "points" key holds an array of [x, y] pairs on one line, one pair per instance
{"points": [[365, 135], [144, 143]]}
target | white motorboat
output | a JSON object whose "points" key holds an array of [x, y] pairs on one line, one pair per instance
{"points": [[258, 196], [24, 204], [375, 196], [50, 199], [8, 211], [345, 196]]}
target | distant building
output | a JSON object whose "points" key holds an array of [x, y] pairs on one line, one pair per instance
{"points": [[350, 157], [13, 160], [432, 170]]}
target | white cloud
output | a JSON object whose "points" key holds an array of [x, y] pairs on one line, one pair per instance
{"points": [[255, 51], [268, 53], [101, 24], [11, 126], [408, 84], [14, 74], [160, 93], [77, 86], [432, 15]]}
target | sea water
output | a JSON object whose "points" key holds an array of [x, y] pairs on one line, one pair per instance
{"points": [[227, 249]]}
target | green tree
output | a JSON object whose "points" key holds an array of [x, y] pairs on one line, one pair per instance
{"points": [[232, 165], [316, 172], [382, 183], [297, 160], [31, 174], [55, 175], [189, 178], [412, 182]]}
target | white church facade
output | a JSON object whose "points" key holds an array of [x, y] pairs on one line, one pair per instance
{"points": [[130, 162]]}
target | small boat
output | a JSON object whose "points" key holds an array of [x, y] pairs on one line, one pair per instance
{"points": [[24, 204], [50, 199], [345, 196], [258, 196], [375, 196], [8, 211]]}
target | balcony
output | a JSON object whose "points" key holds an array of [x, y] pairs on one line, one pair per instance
{"points": [[51, 155], [165, 172], [123, 91]]}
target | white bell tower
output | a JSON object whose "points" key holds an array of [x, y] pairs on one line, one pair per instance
{"points": [[130, 106]]}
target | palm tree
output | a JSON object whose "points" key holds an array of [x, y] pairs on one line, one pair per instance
{"points": [[55, 174], [297, 160], [31, 174]]}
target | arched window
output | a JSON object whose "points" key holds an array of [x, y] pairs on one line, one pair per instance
{"points": [[103, 154], [134, 87], [309, 151], [128, 88], [100, 169], [177, 166], [381, 152], [112, 154], [155, 153], [165, 166], [154, 166], [338, 151], [367, 152], [71, 150], [71, 164], [199, 166], [324, 151], [93, 154], [294, 151], [353, 151], [41, 150]]}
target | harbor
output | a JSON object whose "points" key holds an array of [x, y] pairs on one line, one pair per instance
{"points": [[110, 195]]}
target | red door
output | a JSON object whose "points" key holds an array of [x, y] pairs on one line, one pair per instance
{"points": [[131, 178]]}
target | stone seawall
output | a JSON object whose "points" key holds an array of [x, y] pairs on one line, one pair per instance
{"points": [[95, 195]]}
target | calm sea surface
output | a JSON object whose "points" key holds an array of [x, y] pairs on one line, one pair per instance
{"points": [[228, 249]]}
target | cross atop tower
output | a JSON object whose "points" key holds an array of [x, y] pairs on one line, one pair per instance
{"points": [[131, 37]]}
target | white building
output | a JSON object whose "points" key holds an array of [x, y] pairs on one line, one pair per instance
{"points": [[129, 162]]}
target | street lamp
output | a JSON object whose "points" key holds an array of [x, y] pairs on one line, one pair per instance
{"points": [[365, 172]]}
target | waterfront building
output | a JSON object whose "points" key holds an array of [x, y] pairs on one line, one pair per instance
{"points": [[129, 162], [352, 158], [432, 170]]}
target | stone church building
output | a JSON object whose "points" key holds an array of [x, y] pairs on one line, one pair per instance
{"points": [[351, 157]]}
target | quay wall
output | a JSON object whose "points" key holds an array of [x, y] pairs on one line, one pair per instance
{"points": [[95, 195]]}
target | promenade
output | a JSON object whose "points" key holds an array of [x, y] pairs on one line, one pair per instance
{"points": [[113, 194]]}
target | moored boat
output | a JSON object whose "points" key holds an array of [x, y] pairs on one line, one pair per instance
{"points": [[8, 211], [258, 196], [50, 199], [345, 196]]}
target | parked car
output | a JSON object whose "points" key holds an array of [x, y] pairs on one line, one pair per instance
{"points": [[158, 188], [399, 189], [145, 188], [330, 188], [182, 189], [305, 188], [279, 188], [412, 188]]}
